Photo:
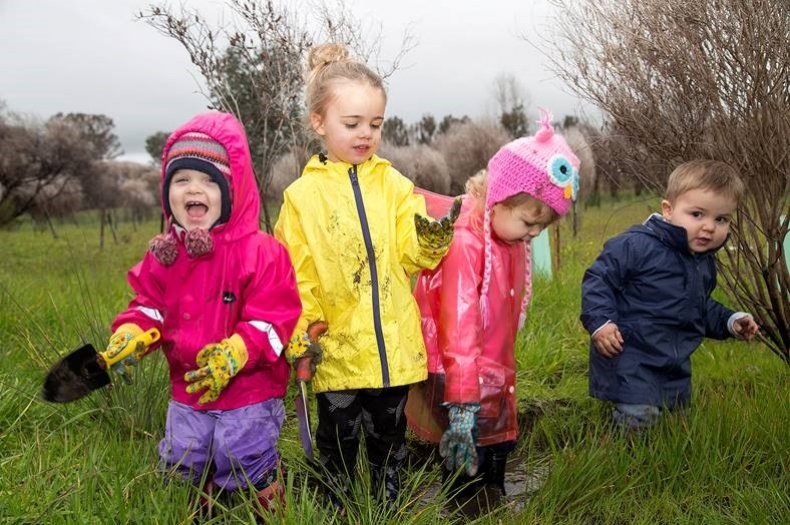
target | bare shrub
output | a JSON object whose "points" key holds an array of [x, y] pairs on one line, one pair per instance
{"points": [[253, 67], [286, 169], [685, 79], [138, 188], [466, 148], [422, 164], [33, 157], [578, 143], [57, 200]]}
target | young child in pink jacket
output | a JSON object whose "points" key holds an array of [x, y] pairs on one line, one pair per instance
{"points": [[475, 302], [223, 295]]}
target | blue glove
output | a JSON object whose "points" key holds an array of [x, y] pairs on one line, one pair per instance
{"points": [[458, 443]]}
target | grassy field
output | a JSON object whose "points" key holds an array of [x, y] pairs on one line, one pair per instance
{"points": [[725, 461]]}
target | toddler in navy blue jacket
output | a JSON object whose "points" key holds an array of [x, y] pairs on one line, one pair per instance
{"points": [[646, 300]]}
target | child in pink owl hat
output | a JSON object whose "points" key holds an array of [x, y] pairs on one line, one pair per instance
{"points": [[470, 318]]}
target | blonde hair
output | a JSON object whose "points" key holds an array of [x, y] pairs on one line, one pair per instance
{"points": [[704, 174], [477, 186], [327, 64]]}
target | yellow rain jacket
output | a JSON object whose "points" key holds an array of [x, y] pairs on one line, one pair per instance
{"points": [[351, 236]]}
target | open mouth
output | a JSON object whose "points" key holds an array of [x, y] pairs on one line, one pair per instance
{"points": [[196, 209]]}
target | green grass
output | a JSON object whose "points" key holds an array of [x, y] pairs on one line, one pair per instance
{"points": [[725, 461]]}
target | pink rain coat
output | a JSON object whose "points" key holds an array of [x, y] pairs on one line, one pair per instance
{"points": [[246, 286], [472, 364]]}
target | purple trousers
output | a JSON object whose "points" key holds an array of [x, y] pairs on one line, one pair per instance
{"points": [[240, 445]]}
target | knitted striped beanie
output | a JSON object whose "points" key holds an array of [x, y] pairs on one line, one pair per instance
{"points": [[198, 151]]}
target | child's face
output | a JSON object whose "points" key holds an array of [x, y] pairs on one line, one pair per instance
{"points": [[706, 216], [352, 120], [195, 199], [520, 223]]}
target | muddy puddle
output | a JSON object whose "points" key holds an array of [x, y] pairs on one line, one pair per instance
{"points": [[522, 478]]}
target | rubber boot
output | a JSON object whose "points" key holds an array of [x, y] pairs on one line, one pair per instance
{"points": [[494, 475], [270, 492], [389, 477]]}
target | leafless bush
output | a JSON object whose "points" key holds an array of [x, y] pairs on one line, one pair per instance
{"points": [[254, 67], [57, 200], [33, 157], [138, 188], [287, 169], [684, 79], [422, 164], [466, 148]]}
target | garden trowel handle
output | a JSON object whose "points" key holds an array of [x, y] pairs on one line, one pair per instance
{"points": [[303, 372], [141, 341]]}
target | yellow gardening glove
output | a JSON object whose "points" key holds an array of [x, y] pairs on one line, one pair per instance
{"points": [[437, 235], [218, 362], [306, 352], [118, 341]]}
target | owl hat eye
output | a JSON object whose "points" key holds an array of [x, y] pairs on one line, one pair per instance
{"points": [[562, 173]]}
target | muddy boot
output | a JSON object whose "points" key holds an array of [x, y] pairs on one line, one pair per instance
{"points": [[270, 493], [494, 475], [385, 481]]}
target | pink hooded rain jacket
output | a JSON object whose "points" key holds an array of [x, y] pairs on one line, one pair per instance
{"points": [[246, 286], [467, 363]]}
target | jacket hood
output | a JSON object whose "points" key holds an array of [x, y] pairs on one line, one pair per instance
{"points": [[245, 200]]}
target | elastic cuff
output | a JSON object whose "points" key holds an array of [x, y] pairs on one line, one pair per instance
{"points": [[241, 347], [731, 322]]}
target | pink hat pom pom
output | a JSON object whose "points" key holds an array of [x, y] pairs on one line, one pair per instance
{"points": [[546, 130], [198, 242], [164, 248]]}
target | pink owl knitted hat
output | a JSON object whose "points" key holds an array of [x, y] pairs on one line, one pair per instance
{"points": [[200, 152], [542, 166]]}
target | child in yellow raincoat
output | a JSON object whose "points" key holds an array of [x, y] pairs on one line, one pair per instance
{"points": [[356, 232]]}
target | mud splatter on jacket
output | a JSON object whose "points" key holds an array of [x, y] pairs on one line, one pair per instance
{"points": [[351, 235]]}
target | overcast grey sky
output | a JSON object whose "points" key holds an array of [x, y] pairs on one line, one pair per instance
{"points": [[91, 56]]}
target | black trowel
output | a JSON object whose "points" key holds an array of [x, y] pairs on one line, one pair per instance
{"points": [[85, 370]]}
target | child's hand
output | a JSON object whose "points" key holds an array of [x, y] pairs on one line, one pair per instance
{"points": [[458, 445], [746, 327], [608, 340], [218, 364], [117, 344], [309, 351], [437, 235]]}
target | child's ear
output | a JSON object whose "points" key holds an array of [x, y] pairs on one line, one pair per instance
{"points": [[666, 209], [317, 123]]}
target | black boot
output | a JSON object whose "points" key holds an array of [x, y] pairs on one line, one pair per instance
{"points": [[385, 481], [494, 475]]}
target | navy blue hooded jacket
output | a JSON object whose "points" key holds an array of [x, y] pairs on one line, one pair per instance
{"points": [[658, 293]]}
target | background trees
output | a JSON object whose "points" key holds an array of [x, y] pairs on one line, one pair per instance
{"points": [[254, 68], [38, 163], [698, 78]]}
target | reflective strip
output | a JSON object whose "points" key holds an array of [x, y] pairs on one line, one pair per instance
{"points": [[152, 313], [274, 339]]}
